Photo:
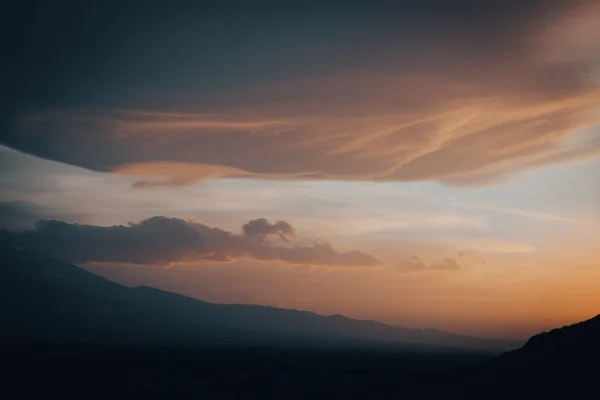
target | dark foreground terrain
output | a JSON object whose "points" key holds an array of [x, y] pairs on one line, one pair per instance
{"points": [[229, 372], [106, 372]]}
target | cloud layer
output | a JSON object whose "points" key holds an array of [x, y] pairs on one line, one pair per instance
{"points": [[465, 94], [162, 240]]}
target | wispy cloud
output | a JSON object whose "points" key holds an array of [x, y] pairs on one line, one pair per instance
{"points": [[485, 244], [473, 106]]}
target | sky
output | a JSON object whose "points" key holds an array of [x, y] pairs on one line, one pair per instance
{"points": [[427, 163]]}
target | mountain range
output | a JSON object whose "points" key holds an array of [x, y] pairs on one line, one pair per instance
{"points": [[47, 300]]}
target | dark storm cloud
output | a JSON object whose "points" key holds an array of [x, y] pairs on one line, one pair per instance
{"points": [[162, 240], [459, 91]]}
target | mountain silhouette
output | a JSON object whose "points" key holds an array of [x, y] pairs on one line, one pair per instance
{"points": [[564, 351], [564, 362], [47, 300]]}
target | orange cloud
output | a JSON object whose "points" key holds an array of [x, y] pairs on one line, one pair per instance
{"points": [[176, 173]]}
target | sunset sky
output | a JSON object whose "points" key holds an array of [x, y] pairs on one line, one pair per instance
{"points": [[428, 163]]}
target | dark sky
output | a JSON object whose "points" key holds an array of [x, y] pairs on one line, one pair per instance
{"points": [[68, 52]]}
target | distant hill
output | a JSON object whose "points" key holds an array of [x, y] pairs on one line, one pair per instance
{"points": [[47, 300]]}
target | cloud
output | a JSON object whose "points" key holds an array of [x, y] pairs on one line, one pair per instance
{"points": [[448, 264], [466, 94], [163, 241], [411, 264], [488, 245], [174, 174], [415, 264], [263, 228]]}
